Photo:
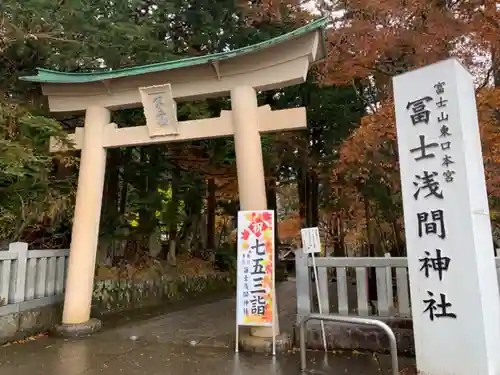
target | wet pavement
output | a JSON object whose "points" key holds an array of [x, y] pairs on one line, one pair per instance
{"points": [[192, 341], [98, 357]]}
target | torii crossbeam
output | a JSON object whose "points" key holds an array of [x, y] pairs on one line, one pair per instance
{"points": [[113, 136]]}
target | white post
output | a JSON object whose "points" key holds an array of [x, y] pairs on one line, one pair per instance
{"points": [[454, 290], [303, 282], [21, 248], [390, 287]]}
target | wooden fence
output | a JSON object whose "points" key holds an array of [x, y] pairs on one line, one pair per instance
{"points": [[344, 287], [31, 278]]}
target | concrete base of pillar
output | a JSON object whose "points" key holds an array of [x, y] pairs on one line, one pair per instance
{"points": [[77, 330], [256, 344]]}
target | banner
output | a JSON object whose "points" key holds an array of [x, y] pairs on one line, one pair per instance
{"points": [[255, 288]]}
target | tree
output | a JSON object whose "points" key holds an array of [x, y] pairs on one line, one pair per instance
{"points": [[25, 176], [373, 41], [72, 40]]}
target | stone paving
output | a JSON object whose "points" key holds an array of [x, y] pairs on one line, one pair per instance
{"points": [[192, 341], [211, 324]]}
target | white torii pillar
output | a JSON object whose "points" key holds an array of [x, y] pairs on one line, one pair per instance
{"points": [[84, 237], [250, 167]]}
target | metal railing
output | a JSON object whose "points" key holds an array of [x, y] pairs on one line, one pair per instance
{"points": [[352, 320]]}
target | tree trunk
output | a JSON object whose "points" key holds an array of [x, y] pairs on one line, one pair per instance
{"points": [[109, 211], [381, 237], [174, 206], [338, 244], [147, 213], [400, 243], [191, 232], [127, 154], [142, 193], [308, 187], [111, 184], [368, 224], [202, 231], [271, 191], [372, 281], [342, 234], [155, 243], [272, 205], [211, 207], [302, 190], [171, 256], [314, 199]]}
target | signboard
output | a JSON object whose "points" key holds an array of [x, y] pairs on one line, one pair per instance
{"points": [[255, 287], [453, 282], [311, 242], [160, 110]]}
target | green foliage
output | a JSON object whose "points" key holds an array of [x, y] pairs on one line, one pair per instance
{"points": [[29, 194]]}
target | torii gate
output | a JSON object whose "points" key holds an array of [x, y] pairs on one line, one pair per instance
{"points": [[273, 64]]}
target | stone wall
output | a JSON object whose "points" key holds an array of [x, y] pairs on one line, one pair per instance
{"points": [[341, 336], [115, 296], [22, 324]]}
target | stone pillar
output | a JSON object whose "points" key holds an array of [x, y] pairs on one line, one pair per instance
{"points": [[455, 306], [249, 163], [80, 280]]}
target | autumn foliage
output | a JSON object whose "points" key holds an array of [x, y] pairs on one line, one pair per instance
{"points": [[372, 41], [372, 150]]}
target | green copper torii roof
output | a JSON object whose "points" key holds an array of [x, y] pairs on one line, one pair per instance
{"points": [[53, 76]]}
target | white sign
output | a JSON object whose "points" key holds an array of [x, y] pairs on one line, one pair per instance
{"points": [[453, 282], [311, 242], [160, 110]]}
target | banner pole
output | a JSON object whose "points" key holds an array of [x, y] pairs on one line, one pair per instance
{"points": [[275, 312], [238, 260], [237, 344]]}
